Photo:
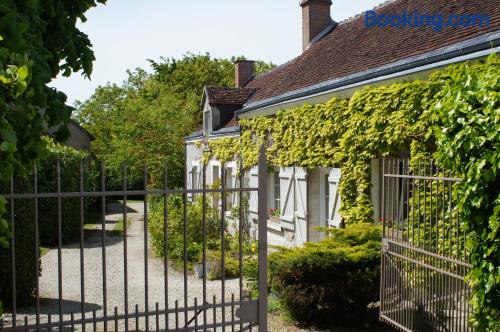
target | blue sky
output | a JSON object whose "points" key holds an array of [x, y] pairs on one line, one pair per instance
{"points": [[127, 32]]}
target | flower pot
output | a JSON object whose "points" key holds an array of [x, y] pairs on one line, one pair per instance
{"points": [[212, 268], [198, 270], [274, 219]]}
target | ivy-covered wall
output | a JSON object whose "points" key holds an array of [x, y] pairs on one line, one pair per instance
{"points": [[453, 117]]}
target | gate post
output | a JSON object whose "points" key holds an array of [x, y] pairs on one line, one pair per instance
{"points": [[262, 207]]}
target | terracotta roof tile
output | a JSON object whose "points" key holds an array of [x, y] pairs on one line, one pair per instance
{"points": [[228, 96], [352, 47]]}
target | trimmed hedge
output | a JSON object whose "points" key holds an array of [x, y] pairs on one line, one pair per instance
{"points": [[25, 257], [333, 280], [69, 160], [47, 211]]}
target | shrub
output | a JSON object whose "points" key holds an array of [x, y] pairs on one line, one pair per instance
{"points": [[69, 160], [25, 257], [47, 220], [175, 210], [334, 279]]}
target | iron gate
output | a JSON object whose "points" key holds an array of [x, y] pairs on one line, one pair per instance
{"points": [[424, 256], [192, 304]]}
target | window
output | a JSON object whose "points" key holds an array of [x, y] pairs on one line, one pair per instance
{"points": [[216, 176], [274, 197], [194, 181], [194, 178], [216, 197], [326, 198], [229, 185], [276, 191]]}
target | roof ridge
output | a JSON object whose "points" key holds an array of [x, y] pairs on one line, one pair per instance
{"points": [[227, 87]]}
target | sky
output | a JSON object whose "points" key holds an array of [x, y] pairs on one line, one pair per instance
{"points": [[125, 33]]}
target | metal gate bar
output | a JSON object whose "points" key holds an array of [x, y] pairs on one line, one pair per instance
{"points": [[424, 258], [243, 313]]}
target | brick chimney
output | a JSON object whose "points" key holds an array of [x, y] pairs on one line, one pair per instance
{"points": [[316, 18], [243, 70]]}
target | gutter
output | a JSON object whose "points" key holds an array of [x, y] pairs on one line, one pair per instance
{"points": [[443, 56], [227, 132]]}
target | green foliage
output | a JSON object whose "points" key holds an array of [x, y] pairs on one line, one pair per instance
{"points": [[467, 133], [69, 161], [25, 257], [194, 239], [47, 216], [332, 280], [175, 209], [38, 40], [145, 120]]}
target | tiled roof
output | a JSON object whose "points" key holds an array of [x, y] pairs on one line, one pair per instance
{"points": [[232, 123], [352, 47], [228, 96]]}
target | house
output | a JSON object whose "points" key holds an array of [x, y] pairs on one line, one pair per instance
{"points": [[338, 59], [79, 138]]}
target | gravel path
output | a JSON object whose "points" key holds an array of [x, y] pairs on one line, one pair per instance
{"points": [[115, 278]]}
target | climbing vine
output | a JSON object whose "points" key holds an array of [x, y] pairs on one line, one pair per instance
{"points": [[467, 133], [454, 117]]}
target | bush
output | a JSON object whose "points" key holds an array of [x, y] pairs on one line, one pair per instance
{"points": [[175, 210], [25, 257], [332, 280], [47, 220], [70, 160]]}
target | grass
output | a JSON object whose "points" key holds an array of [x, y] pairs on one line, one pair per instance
{"points": [[118, 229], [44, 251]]}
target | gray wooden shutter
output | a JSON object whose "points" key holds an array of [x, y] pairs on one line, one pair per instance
{"points": [[287, 198], [301, 208], [334, 218]]}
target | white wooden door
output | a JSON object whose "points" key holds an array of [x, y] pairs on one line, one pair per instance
{"points": [[301, 207], [334, 218], [287, 198]]}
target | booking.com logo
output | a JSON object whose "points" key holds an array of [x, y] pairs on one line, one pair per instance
{"points": [[417, 20]]}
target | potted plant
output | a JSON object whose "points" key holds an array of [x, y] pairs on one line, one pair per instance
{"points": [[274, 215]]}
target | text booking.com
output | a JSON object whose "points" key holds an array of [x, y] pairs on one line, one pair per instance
{"points": [[417, 20]]}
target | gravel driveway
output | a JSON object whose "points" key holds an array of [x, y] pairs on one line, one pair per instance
{"points": [[115, 277]]}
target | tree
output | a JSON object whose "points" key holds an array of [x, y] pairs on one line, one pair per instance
{"points": [[39, 40], [144, 120]]}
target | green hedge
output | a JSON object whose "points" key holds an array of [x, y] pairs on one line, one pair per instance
{"points": [[47, 211], [330, 281], [69, 160], [25, 257]]}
